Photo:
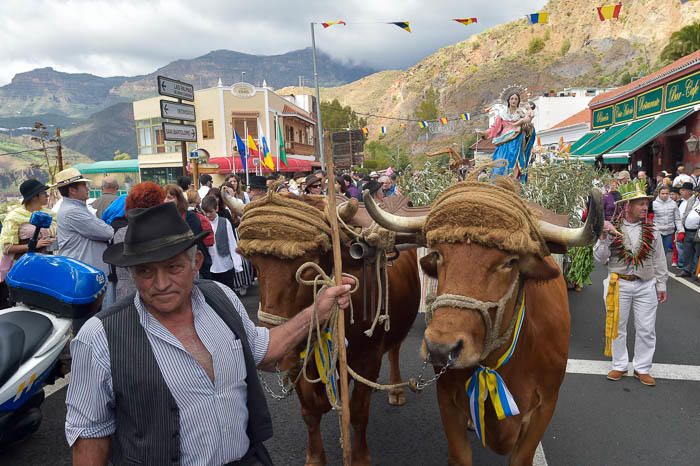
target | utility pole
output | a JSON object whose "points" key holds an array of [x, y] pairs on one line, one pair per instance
{"points": [[59, 149]]}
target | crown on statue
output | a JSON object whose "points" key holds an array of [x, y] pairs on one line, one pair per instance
{"points": [[633, 190], [512, 89]]}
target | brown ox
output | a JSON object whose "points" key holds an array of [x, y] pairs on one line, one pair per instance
{"points": [[488, 249], [280, 294]]}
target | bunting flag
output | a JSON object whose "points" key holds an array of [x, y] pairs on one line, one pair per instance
{"points": [[283, 152], [328, 24], [465, 116], [607, 12], [383, 129], [538, 18], [252, 148], [423, 124], [466, 21], [402, 24], [365, 131], [322, 353], [444, 120], [267, 160], [686, 1], [240, 145]]}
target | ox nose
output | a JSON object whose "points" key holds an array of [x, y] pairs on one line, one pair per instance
{"points": [[441, 353]]}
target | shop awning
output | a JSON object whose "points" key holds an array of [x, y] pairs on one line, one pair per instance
{"points": [[660, 125], [607, 135], [293, 165], [608, 159], [585, 139], [604, 147]]}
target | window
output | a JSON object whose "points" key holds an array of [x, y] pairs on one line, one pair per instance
{"points": [[245, 126], [161, 175], [208, 129], [150, 138]]}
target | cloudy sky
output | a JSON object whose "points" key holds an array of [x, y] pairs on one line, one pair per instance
{"points": [[129, 37]]}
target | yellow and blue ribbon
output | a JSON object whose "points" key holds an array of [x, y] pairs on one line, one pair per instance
{"points": [[485, 383], [323, 354]]}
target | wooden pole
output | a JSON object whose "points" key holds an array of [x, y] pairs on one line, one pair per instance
{"points": [[342, 354]]}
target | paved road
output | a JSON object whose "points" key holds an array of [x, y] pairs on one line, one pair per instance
{"points": [[597, 421]]}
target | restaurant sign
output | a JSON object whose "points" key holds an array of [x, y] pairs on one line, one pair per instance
{"points": [[624, 111], [603, 117], [650, 103], [682, 92]]}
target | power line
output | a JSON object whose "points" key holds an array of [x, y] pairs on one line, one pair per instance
{"points": [[28, 150]]}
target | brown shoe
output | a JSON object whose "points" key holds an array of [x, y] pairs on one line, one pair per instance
{"points": [[646, 379], [616, 375]]}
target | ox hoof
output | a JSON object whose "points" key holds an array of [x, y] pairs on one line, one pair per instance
{"points": [[397, 398], [315, 460]]}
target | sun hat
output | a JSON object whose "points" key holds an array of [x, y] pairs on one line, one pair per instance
{"points": [[69, 176]]}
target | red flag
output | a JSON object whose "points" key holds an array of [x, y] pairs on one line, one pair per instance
{"points": [[609, 11]]}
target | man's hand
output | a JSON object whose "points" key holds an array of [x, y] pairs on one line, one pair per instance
{"points": [[42, 243], [681, 236], [328, 297], [661, 296], [609, 228]]}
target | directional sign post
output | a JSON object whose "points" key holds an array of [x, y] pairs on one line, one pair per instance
{"points": [[175, 111], [178, 111]]}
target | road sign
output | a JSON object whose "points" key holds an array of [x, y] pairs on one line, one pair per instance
{"points": [[194, 155], [176, 132], [174, 88], [176, 111]]}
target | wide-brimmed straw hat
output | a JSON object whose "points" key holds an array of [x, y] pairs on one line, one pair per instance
{"points": [[153, 235], [69, 176], [633, 190]]}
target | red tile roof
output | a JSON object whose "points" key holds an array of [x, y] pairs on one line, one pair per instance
{"points": [[584, 116], [664, 73]]}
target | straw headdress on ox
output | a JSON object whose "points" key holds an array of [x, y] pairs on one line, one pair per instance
{"points": [[488, 214], [284, 227]]}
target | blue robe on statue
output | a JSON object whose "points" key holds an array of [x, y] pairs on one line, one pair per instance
{"points": [[517, 153]]}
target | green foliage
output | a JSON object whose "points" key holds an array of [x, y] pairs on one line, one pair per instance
{"points": [[565, 46], [423, 186], [547, 34], [476, 45], [429, 108], [119, 155], [535, 46], [579, 272], [681, 43], [383, 156], [336, 117], [625, 78]]}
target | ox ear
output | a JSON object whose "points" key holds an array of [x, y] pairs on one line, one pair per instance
{"points": [[534, 268], [429, 264]]}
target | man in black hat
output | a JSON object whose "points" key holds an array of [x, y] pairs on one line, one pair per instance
{"points": [[168, 376], [257, 186]]}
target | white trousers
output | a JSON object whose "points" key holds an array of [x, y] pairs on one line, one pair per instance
{"points": [[640, 297]]}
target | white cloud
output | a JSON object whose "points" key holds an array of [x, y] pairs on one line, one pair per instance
{"points": [[130, 37]]}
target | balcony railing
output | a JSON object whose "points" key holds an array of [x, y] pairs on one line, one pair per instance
{"points": [[300, 149]]}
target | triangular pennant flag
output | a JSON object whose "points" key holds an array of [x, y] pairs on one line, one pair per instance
{"points": [[365, 131], [607, 12], [443, 120], [423, 124], [383, 130], [328, 24], [465, 116], [402, 24], [466, 21], [538, 18]]}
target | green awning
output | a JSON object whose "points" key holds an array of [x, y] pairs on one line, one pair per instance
{"points": [[108, 166], [607, 159], [600, 141], [660, 125], [585, 139], [604, 147]]}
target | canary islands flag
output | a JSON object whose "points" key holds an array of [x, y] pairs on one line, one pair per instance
{"points": [[328, 24], [423, 124], [607, 12], [466, 21], [465, 116], [383, 129], [267, 161], [538, 18]]}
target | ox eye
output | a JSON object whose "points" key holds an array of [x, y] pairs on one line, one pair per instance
{"points": [[512, 262]]}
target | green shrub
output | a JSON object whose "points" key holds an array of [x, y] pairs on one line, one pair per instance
{"points": [[536, 45], [565, 46]]}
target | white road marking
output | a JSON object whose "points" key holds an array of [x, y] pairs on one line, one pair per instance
{"points": [[59, 384], [687, 283], [540, 459], [659, 371]]}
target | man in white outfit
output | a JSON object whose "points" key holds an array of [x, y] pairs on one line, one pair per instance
{"points": [[634, 254]]}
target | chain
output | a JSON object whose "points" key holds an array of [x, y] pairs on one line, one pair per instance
{"points": [[286, 390], [421, 383]]}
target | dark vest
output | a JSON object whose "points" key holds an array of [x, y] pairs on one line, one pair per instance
{"points": [[147, 417]]}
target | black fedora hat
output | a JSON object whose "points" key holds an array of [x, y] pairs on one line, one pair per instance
{"points": [[30, 188], [687, 185], [257, 182], [153, 235]]}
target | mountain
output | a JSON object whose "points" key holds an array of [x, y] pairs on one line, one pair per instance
{"points": [[46, 90], [104, 132], [574, 49]]}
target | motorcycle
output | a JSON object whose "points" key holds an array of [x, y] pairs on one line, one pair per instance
{"points": [[53, 295]]}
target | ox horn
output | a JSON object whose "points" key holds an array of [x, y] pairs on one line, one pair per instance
{"points": [[390, 221], [234, 204], [347, 210], [584, 235]]}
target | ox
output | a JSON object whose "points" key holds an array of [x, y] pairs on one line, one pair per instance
{"points": [[302, 226], [477, 309]]}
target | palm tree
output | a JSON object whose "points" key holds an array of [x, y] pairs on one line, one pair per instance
{"points": [[682, 43]]}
